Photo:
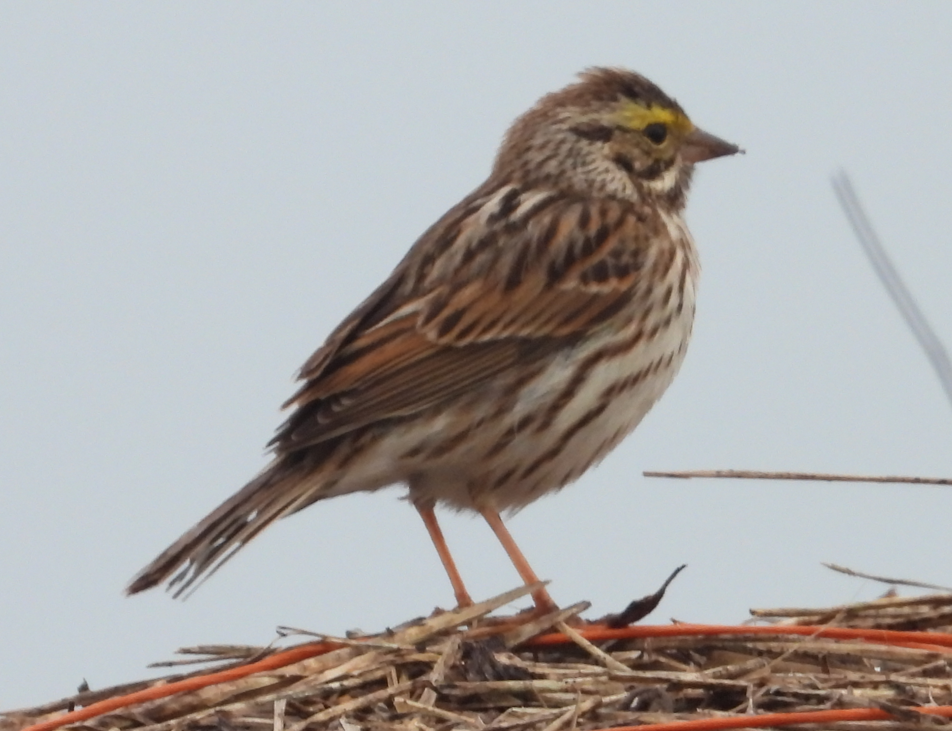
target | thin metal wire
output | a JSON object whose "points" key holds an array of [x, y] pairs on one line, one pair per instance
{"points": [[801, 476], [936, 353]]}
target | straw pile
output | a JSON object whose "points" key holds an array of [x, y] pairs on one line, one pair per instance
{"points": [[465, 670]]}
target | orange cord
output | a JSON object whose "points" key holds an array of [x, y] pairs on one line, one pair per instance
{"points": [[931, 641], [272, 662]]}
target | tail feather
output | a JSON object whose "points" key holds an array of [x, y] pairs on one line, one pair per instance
{"points": [[204, 548]]}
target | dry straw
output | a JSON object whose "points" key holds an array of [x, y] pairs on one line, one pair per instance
{"points": [[875, 665]]}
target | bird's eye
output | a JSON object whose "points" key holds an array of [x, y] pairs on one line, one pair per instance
{"points": [[657, 132]]}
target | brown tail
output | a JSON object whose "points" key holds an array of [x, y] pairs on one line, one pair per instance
{"points": [[202, 550]]}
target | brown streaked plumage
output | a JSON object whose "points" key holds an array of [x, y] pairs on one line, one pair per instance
{"points": [[521, 338]]}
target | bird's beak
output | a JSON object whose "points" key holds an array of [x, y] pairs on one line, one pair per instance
{"points": [[700, 146]]}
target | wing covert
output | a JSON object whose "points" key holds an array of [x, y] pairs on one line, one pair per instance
{"points": [[499, 295]]}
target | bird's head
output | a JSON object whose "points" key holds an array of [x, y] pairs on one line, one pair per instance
{"points": [[611, 133]]}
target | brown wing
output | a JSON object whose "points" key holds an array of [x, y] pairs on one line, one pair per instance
{"points": [[506, 278]]}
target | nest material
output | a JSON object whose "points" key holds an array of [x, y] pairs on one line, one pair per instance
{"points": [[464, 670]]}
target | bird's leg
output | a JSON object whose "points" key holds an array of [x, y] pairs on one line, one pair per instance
{"points": [[425, 509], [540, 596]]}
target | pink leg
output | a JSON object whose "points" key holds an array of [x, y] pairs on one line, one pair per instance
{"points": [[540, 596], [436, 535]]}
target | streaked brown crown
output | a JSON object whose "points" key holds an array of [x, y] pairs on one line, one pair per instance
{"points": [[598, 87]]}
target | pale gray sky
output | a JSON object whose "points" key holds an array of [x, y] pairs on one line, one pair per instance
{"points": [[194, 194]]}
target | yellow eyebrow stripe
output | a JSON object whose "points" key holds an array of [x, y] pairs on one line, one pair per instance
{"points": [[635, 116]]}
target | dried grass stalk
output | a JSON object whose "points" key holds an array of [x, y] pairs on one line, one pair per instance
{"points": [[465, 670]]}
